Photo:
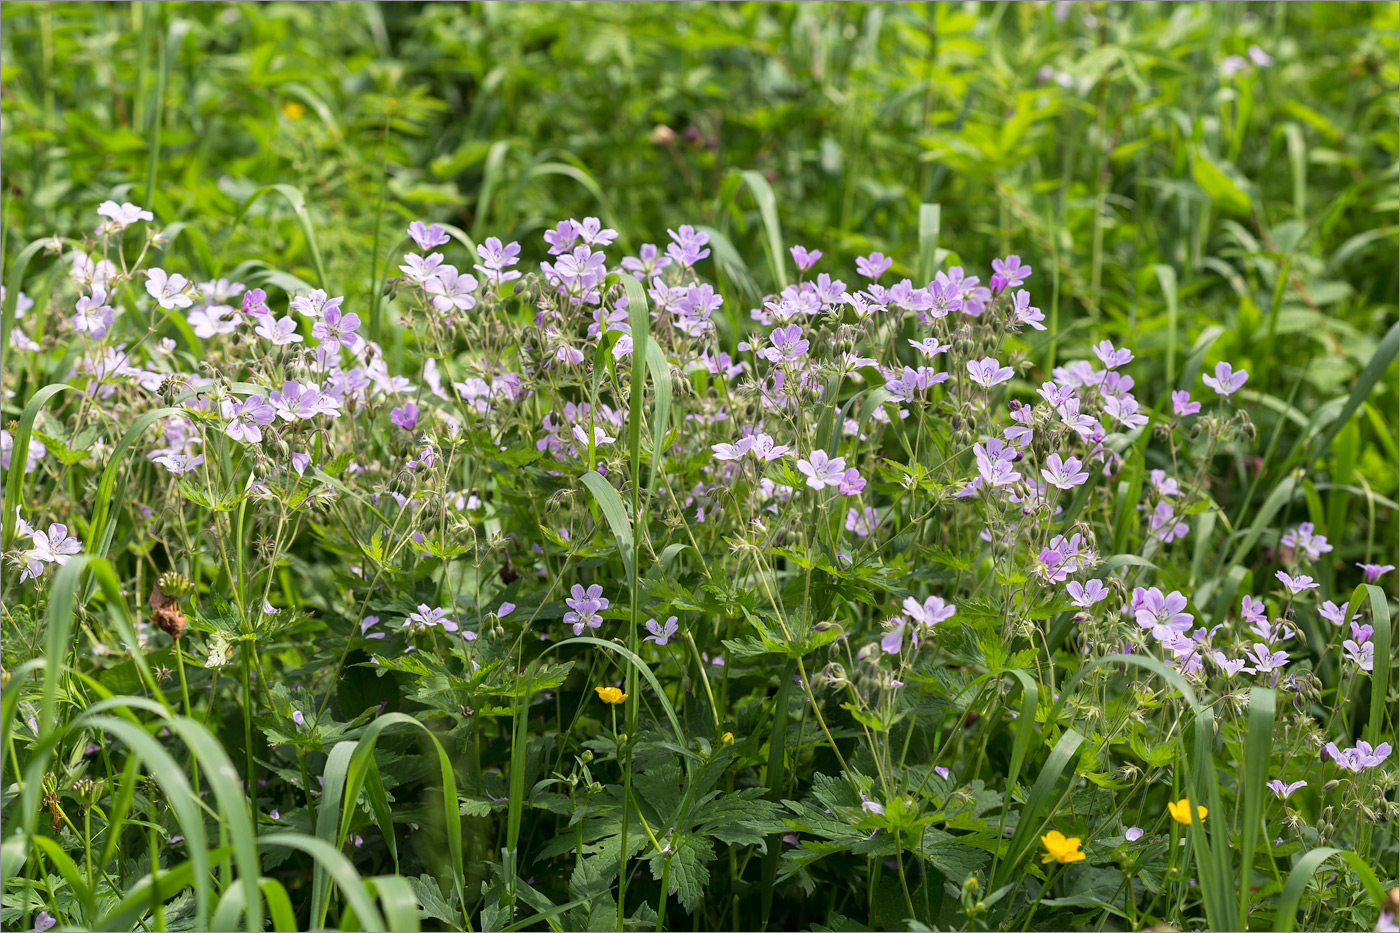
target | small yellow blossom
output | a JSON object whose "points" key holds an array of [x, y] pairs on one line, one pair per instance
{"points": [[610, 694], [1181, 811], [293, 110], [1060, 849], [727, 739]]}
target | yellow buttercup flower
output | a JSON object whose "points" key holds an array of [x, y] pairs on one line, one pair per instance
{"points": [[293, 110], [1181, 811], [610, 694], [1059, 848]]}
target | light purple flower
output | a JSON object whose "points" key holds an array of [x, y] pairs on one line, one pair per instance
{"points": [[495, 258], [169, 291], [988, 372], [93, 314], [1011, 271], [427, 237], [994, 463], [1363, 655], [419, 269], [788, 345], [180, 464], [300, 719], [209, 320], [255, 303], [1266, 660], [687, 249], [1133, 834], [1110, 356], [427, 617], [334, 326], [1361, 757], [1296, 585], [805, 258], [1182, 404], [930, 612], [874, 265], [43, 920], [280, 332], [1333, 613], [405, 415], [585, 606], [1085, 595], [1304, 539], [1226, 381], [1374, 572], [247, 417], [868, 805], [661, 634], [822, 471], [1062, 473], [861, 521], [123, 215], [1284, 791], [451, 290]]}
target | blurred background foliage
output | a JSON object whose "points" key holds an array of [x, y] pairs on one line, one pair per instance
{"points": [[1203, 181]]}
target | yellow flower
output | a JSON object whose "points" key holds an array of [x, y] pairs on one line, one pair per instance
{"points": [[1181, 811], [610, 694], [293, 110], [727, 739], [1060, 849]]}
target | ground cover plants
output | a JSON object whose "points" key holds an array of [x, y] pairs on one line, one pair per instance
{"points": [[509, 566]]}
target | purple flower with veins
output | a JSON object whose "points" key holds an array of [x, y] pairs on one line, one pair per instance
{"points": [[1063, 473], [1296, 585], [1266, 660], [661, 634], [169, 291], [1335, 614], [765, 450], [122, 215], [822, 471], [1230, 666], [874, 265], [427, 237], [930, 612], [427, 617], [255, 303], [247, 417], [870, 806], [1182, 404], [1361, 757], [688, 248], [988, 372], [805, 258], [1085, 595], [451, 290], [788, 345], [1363, 654], [1304, 539], [279, 332], [419, 269], [1226, 381], [734, 451], [1284, 791], [584, 607], [405, 416], [861, 521], [1374, 572], [851, 482], [1110, 356], [1252, 610], [1012, 272], [335, 326], [180, 464], [93, 314], [496, 258], [1160, 612], [994, 464], [893, 639]]}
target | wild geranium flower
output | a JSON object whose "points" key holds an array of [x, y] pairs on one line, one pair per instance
{"points": [[180, 464], [247, 417], [209, 320], [866, 804], [55, 546], [788, 345], [1284, 791], [1110, 356], [930, 612], [661, 634], [765, 450], [1230, 666], [1265, 660], [426, 617], [1012, 272], [1060, 848], [419, 269], [1182, 404], [169, 291], [427, 237], [336, 326], [279, 332], [1361, 757], [874, 265], [1162, 613], [93, 314], [585, 606], [861, 521], [1132, 833], [1374, 572], [600, 437], [1335, 614], [734, 451], [851, 482], [497, 258], [1181, 811], [255, 303], [988, 372], [1363, 654], [688, 248], [1085, 595], [123, 215], [405, 415], [822, 471], [1226, 381], [1303, 538], [1063, 473], [1296, 585], [610, 695], [451, 290], [805, 258]]}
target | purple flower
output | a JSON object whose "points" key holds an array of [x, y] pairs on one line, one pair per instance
{"points": [[255, 303], [866, 804], [1373, 572], [427, 237], [788, 345], [1163, 614], [661, 634], [851, 482], [1133, 834], [585, 606], [93, 315], [427, 617], [805, 258], [1303, 539], [1063, 474], [180, 464], [1230, 666], [988, 372], [1334, 613], [405, 416], [169, 291], [419, 269], [930, 612], [1182, 404], [1284, 791], [209, 320], [994, 463], [451, 290], [1266, 660], [1085, 595], [334, 325], [495, 258], [1011, 271], [734, 451], [874, 265], [1363, 654], [122, 215], [280, 332], [1112, 358], [1296, 584], [687, 249], [893, 639], [247, 417], [1226, 381], [822, 471], [1361, 757], [299, 719], [861, 521]]}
